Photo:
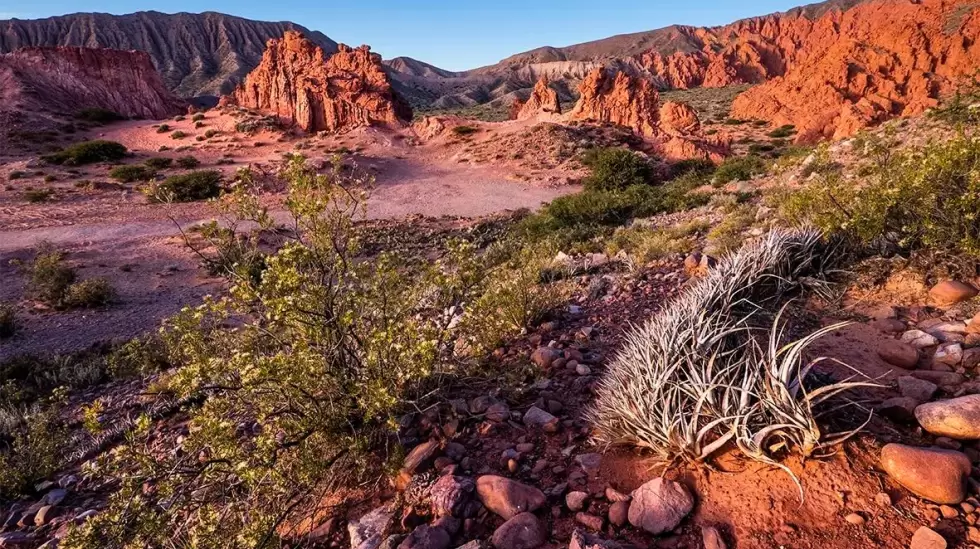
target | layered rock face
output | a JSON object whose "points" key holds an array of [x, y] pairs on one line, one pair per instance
{"points": [[878, 60], [543, 100], [65, 80], [299, 83], [617, 98]]}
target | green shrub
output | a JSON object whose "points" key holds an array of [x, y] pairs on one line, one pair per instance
{"points": [[87, 152], [783, 131], [924, 197], [159, 163], [93, 292], [697, 166], [742, 168], [615, 169], [163, 128], [650, 243], [48, 276], [16, 174], [99, 116], [131, 173], [734, 122], [210, 133], [178, 135], [188, 162], [137, 357], [37, 451], [188, 187], [35, 196], [8, 320], [464, 130], [197, 117]]}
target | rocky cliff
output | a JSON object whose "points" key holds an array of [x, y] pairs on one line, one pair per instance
{"points": [[543, 100], [615, 97], [205, 54], [65, 80], [297, 81]]}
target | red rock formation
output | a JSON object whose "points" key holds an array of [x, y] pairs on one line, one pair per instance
{"points": [[617, 98], [875, 61], [543, 100], [64, 80], [300, 84]]}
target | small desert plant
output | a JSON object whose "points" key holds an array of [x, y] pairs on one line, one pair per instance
{"points": [[16, 174], [465, 130], [741, 168], [711, 370], [99, 116], [649, 243], [180, 118], [131, 173], [615, 169], [35, 453], [35, 196], [178, 134], [188, 162], [159, 162], [92, 292], [8, 320], [163, 128], [48, 276], [188, 187], [137, 357], [87, 152], [783, 131], [197, 117], [210, 133]]}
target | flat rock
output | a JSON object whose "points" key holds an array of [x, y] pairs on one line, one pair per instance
{"points": [[951, 292], [427, 537], [538, 418], [498, 412], [368, 531], [927, 538], [523, 531], [508, 498], [919, 339], [918, 389], [660, 505], [590, 463], [932, 473], [418, 460], [943, 379], [957, 418], [950, 354], [898, 353]]}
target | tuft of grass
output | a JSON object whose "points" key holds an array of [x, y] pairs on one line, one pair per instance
{"points": [[89, 293], [163, 128], [188, 162], [783, 132], [742, 168], [8, 320], [87, 152], [465, 130], [178, 134], [36, 196], [199, 185], [197, 117], [132, 173], [16, 174], [159, 163]]}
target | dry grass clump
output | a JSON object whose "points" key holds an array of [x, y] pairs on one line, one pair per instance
{"points": [[708, 370]]}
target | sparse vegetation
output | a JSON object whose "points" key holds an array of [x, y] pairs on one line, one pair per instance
{"points": [[197, 117], [132, 173], [188, 162], [8, 320], [16, 174], [739, 168], [199, 185], [87, 152], [178, 134], [163, 128], [615, 169], [36, 196], [159, 162], [464, 130], [53, 282], [783, 132], [99, 116]]}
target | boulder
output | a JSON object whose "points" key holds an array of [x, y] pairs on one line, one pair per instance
{"points": [[508, 498], [957, 418], [932, 473], [538, 418], [898, 353], [927, 538], [951, 292], [660, 505], [575, 501], [523, 531]]}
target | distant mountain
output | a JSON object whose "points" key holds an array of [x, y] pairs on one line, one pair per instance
{"points": [[204, 54]]}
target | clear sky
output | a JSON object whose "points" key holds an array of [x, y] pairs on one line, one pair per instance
{"points": [[452, 34]]}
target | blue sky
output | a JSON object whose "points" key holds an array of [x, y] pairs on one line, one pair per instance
{"points": [[452, 34]]}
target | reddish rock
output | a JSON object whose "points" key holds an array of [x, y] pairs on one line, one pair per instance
{"points": [[67, 79], [898, 353], [926, 538], [951, 292], [660, 505], [957, 418], [935, 474], [543, 100], [523, 531], [298, 82], [507, 497]]}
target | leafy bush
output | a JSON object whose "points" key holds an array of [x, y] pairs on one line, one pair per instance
{"points": [[8, 320], [35, 453], [925, 197], [188, 187], [87, 152], [16, 174], [650, 243], [163, 128], [783, 131], [35, 196], [159, 162], [99, 116], [188, 162], [178, 134], [93, 292], [742, 168], [48, 276], [696, 166], [131, 173], [137, 357], [615, 169]]}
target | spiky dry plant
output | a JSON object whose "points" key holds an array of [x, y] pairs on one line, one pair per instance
{"points": [[712, 369]]}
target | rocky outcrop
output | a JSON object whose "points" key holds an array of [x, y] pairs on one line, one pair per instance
{"points": [[196, 54], [299, 83], [615, 97], [65, 80], [543, 100], [852, 69]]}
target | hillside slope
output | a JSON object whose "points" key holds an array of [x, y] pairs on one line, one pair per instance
{"points": [[205, 54]]}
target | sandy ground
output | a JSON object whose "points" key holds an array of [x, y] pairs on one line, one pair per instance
{"points": [[110, 230]]}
